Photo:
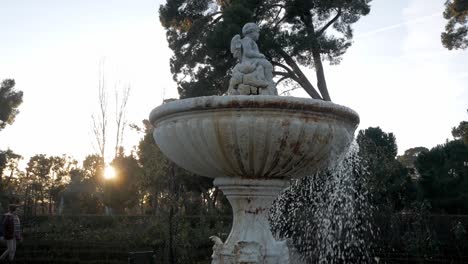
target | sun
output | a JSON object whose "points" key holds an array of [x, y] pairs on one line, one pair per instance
{"points": [[109, 172]]}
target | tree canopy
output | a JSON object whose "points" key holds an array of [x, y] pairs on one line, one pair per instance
{"points": [[294, 33], [461, 131], [444, 177], [389, 181], [10, 99], [456, 30]]}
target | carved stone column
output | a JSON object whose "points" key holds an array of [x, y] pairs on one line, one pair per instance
{"points": [[251, 240]]}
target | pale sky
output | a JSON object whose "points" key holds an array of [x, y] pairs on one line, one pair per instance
{"points": [[396, 75]]}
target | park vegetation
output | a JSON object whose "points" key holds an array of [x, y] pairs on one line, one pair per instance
{"points": [[185, 209], [421, 197]]}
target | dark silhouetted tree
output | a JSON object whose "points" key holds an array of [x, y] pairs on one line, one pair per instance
{"points": [[121, 192], [389, 181], [444, 177], [456, 30], [8, 172], [409, 158], [294, 33], [10, 99], [461, 132]]}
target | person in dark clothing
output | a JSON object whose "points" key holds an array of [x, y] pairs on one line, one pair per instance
{"points": [[9, 233]]}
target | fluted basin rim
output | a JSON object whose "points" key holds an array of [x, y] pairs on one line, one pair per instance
{"points": [[252, 102]]}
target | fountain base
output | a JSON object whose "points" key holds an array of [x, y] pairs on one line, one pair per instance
{"points": [[251, 240]]}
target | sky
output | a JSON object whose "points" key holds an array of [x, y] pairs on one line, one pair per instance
{"points": [[396, 75]]}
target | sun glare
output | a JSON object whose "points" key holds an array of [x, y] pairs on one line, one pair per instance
{"points": [[109, 173]]}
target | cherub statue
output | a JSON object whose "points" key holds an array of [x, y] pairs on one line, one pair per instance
{"points": [[253, 74]]}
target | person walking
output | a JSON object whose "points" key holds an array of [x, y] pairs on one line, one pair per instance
{"points": [[11, 232]]}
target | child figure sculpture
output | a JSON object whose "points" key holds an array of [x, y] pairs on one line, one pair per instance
{"points": [[253, 75]]}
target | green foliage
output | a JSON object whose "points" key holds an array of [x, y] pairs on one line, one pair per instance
{"points": [[44, 181], [409, 158], [293, 33], [420, 238], [444, 177], [79, 236], [154, 167], [389, 181], [9, 102], [121, 192], [461, 132], [456, 30], [175, 187], [8, 178]]}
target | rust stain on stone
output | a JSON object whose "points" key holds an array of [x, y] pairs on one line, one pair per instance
{"points": [[256, 211]]}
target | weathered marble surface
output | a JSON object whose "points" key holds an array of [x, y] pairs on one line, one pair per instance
{"points": [[253, 75], [266, 137], [252, 145], [251, 240]]}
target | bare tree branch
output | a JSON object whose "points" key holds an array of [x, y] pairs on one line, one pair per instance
{"points": [[289, 90], [338, 14], [302, 79], [120, 110], [282, 79], [281, 7], [275, 63]]}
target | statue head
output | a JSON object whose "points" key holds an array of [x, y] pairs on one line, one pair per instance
{"points": [[251, 30]]}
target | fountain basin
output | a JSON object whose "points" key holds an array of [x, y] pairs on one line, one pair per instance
{"points": [[253, 137]]}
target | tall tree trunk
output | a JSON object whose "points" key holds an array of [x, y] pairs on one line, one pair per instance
{"points": [[172, 257], [302, 79], [171, 235], [321, 83], [50, 204], [35, 203]]}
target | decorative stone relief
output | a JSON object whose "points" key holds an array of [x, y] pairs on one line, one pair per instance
{"points": [[253, 75], [218, 246]]}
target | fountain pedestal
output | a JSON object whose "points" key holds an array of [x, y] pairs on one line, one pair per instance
{"points": [[251, 240], [252, 146]]}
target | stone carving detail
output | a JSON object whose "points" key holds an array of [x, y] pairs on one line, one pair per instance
{"points": [[248, 252], [253, 75], [217, 257]]}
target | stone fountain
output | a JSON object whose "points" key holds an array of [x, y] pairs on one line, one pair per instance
{"points": [[252, 143]]}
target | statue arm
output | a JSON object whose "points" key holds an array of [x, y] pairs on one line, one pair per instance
{"points": [[250, 49]]}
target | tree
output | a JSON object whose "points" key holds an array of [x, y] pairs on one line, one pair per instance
{"points": [[46, 180], [389, 181], [10, 99], [121, 100], [37, 170], [456, 30], [155, 167], [409, 158], [294, 33], [8, 172], [121, 192], [9, 161], [444, 177], [174, 192], [101, 119], [160, 176], [93, 182], [461, 131], [61, 168], [80, 195]]}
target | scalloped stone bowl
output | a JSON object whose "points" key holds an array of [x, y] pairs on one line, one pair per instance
{"points": [[252, 145], [253, 137]]}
